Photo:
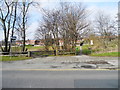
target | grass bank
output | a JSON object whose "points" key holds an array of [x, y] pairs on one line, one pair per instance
{"points": [[112, 54], [13, 58], [85, 49]]}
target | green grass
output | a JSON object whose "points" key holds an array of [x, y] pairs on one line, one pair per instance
{"points": [[85, 49], [34, 48], [29, 48], [13, 58], [112, 54], [16, 49]]}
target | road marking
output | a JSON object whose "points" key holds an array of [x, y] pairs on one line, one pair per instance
{"points": [[56, 69]]}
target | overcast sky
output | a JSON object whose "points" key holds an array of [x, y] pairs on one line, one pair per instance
{"points": [[109, 6]]}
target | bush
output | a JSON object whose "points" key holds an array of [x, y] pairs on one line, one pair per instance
{"points": [[86, 51]]}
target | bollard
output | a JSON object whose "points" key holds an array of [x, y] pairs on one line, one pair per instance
{"points": [[80, 50], [29, 54]]}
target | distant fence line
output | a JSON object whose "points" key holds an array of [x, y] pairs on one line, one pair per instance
{"points": [[38, 53], [47, 53]]}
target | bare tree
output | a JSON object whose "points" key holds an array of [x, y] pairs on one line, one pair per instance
{"points": [[67, 23], [73, 23], [52, 23], [43, 33], [8, 11], [22, 21], [49, 30], [105, 27]]}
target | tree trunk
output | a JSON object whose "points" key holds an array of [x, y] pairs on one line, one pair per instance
{"points": [[6, 49], [23, 49]]}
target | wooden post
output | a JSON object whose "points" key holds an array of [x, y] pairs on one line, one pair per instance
{"points": [[55, 52]]}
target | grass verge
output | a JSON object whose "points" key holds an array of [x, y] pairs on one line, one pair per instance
{"points": [[34, 48], [13, 58], [112, 54]]}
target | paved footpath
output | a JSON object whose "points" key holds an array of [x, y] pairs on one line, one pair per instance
{"points": [[64, 62]]}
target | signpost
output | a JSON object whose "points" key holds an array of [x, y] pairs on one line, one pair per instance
{"points": [[12, 38]]}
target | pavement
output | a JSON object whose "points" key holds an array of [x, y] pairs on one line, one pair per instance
{"points": [[63, 63]]}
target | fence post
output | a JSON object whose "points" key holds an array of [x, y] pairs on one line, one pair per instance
{"points": [[55, 52]]}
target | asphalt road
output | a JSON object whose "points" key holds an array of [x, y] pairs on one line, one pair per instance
{"points": [[65, 62], [60, 79]]}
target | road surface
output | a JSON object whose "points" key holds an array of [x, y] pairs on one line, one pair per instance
{"points": [[63, 62], [60, 79]]}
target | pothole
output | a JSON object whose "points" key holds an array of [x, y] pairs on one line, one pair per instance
{"points": [[30, 63], [97, 62], [9, 61], [66, 62], [55, 66], [111, 68], [89, 66], [76, 67]]}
